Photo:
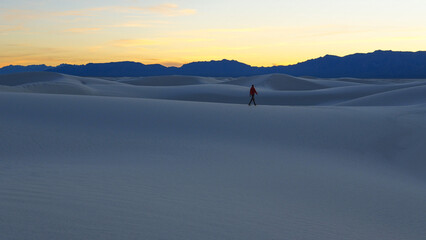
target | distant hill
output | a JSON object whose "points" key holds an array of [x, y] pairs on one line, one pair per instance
{"points": [[116, 69], [378, 64], [18, 69], [224, 68]]}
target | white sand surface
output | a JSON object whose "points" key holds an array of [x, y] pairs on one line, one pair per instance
{"points": [[323, 159]]}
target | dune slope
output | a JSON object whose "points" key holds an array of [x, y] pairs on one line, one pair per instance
{"points": [[120, 164], [274, 89]]}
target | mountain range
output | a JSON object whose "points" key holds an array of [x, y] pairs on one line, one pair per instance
{"points": [[378, 64]]}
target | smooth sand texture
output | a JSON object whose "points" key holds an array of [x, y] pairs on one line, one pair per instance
{"points": [[113, 159]]}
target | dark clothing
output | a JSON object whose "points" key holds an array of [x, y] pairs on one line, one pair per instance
{"points": [[252, 92], [252, 100]]}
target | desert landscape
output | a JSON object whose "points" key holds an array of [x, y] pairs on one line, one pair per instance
{"points": [[185, 157]]}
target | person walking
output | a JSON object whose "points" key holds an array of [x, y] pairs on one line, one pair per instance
{"points": [[252, 92]]}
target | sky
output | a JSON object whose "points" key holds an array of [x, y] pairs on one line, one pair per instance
{"points": [[175, 32]]}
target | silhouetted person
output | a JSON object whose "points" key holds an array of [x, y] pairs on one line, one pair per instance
{"points": [[252, 92]]}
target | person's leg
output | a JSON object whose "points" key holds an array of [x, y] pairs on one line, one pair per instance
{"points": [[254, 101], [251, 100]]}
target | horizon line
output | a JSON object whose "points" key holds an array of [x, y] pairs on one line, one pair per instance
{"points": [[212, 60]]}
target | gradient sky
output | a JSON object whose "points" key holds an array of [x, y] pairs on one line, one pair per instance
{"points": [[259, 33]]}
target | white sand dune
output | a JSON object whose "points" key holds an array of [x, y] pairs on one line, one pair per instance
{"points": [[167, 81], [279, 82], [91, 158], [275, 89], [410, 95]]}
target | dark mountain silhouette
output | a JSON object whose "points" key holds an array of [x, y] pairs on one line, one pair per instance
{"points": [[378, 64], [116, 69], [224, 68], [18, 69]]}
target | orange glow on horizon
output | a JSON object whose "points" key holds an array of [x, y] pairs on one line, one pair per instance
{"points": [[264, 33]]}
